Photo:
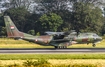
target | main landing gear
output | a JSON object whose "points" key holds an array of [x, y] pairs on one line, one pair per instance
{"points": [[60, 47]]}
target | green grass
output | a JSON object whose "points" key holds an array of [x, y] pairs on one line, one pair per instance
{"points": [[11, 43], [50, 56], [47, 63]]}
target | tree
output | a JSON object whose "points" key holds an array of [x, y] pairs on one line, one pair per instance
{"points": [[2, 26], [54, 5], [1, 20], [50, 22], [86, 17], [32, 23], [20, 3], [19, 16], [32, 32], [103, 27], [66, 8], [80, 15], [2, 31]]}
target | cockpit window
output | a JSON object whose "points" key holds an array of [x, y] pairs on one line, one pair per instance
{"points": [[95, 35], [84, 34], [87, 34]]}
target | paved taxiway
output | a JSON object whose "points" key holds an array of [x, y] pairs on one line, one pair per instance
{"points": [[51, 50]]}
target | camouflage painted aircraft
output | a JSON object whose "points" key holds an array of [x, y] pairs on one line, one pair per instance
{"points": [[79, 38], [61, 41]]}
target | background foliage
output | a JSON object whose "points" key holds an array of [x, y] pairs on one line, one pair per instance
{"points": [[55, 15]]}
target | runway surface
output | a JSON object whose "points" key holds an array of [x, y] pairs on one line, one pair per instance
{"points": [[50, 50]]}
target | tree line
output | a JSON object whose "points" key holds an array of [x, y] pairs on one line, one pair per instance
{"points": [[37, 16]]}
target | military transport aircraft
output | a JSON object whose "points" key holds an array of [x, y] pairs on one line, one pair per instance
{"points": [[61, 41], [80, 38]]}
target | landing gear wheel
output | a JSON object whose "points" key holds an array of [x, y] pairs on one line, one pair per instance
{"points": [[94, 45], [56, 47], [60, 47], [64, 46], [87, 43]]}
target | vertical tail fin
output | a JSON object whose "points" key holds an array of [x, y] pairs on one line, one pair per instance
{"points": [[12, 30]]}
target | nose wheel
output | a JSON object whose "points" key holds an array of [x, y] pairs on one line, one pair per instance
{"points": [[94, 45]]}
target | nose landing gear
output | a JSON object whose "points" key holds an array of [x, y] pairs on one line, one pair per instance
{"points": [[94, 45]]}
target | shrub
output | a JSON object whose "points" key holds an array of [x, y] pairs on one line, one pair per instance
{"points": [[82, 65], [103, 37], [14, 65], [32, 32], [39, 63], [76, 65], [28, 63]]}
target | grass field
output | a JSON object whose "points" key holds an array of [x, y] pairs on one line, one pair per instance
{"points": [[11, 43], [55, 63], [76, 60], [50, 56], [55, 59], [59, 62]]}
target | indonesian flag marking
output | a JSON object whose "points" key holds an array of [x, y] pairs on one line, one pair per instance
{"points": [[36, 40], [12, 27]]}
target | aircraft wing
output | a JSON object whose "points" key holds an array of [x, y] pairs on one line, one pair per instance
{"points": [[61, 33], [54, 33], [61, 40]]}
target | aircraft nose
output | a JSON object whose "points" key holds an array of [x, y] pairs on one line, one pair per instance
{"points": [[100, 38]]}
